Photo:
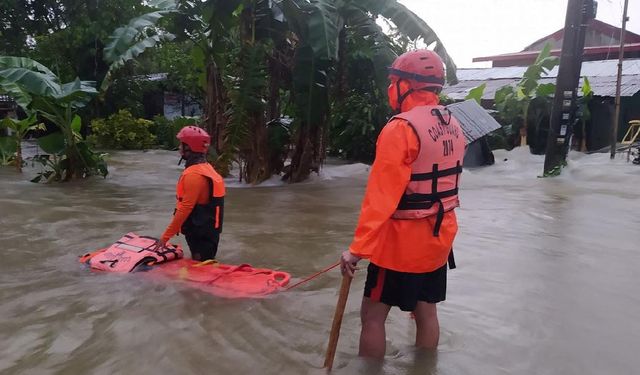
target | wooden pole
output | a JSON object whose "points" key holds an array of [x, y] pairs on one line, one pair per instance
{"points": [[337, 322], [616, 116], [579, 13]]}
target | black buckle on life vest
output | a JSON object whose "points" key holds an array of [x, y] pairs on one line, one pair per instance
{"points": [[419, 201]]}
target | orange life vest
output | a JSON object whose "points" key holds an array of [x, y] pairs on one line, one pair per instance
{"points": [[433, 187], [211, 213], [129, 253]]}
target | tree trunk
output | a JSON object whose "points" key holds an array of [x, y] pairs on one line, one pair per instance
{"points": [[258, 167], [273, 106], [341, 73], [19, 156], [210, 107], [303, 156], [215, 120]]}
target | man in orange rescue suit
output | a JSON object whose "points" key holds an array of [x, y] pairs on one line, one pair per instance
{"points": [[200, 198], [407, 221]]}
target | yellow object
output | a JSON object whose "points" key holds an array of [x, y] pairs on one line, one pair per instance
{"points": [[632, 134], [212, 262], [183, 273]]}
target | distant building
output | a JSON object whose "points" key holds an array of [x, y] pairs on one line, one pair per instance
{"points": [[599, 66], [166, 103], [8, 107], [602, 42]]}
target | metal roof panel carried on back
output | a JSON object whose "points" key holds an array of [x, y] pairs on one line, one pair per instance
{"points": [[475, 121]]}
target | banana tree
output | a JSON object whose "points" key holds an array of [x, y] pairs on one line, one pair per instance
{"points": [[513, 102], [19, 129], [39, 91], [295, 45], [132, 39], [584, 113], [323, 28], [206, 25]]}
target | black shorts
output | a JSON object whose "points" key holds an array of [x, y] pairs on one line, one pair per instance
{"points": [[405, 289], [203, 244]]}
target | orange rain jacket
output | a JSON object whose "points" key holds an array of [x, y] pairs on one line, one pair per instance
{"points": [[399, 245], [192, 189]]}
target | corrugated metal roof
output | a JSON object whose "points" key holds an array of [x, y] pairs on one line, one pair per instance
{"points": [[475, 121], [601, 74]]}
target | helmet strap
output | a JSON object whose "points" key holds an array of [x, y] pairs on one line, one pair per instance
{"points": [[401, 96]]}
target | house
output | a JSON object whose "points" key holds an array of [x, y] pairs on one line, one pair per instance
{"points": [[160, 101], [8, 108], [602, 42], [599, 65]]}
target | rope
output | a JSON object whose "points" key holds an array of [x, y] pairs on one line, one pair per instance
{"points": [[314, 276]]}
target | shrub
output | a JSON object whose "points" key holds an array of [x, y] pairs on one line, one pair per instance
{"points": [[166, 130], [122, 131]]}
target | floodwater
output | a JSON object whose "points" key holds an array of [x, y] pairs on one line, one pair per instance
{"points": [[546, 280]]}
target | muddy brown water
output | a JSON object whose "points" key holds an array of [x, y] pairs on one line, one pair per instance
{"points": [[546, 281]]}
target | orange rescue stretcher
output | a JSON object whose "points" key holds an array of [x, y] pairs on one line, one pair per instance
{"points": [[131, 253]]}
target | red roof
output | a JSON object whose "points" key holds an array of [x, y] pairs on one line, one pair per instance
{"points": [[602, 27], [632, 44], [613, 50]]}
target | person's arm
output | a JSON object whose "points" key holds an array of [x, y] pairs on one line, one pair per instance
{"points": [[192, 185], [396, 148]]}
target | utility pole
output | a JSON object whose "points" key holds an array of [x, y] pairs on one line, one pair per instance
{"points": [[616, 116], [579, 13]]}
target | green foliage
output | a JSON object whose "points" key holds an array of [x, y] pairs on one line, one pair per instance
{"points": [[127, 93], [356, 124], [514, 104], [63, 161], [246, 84], [19, 128], [257, 60], [33, 85], [357, 120], [122, 131], [409, 25], [587, 95], [166, 130], [445, 99], [67, 36], [183, 72], [476, 93], [42, 93], [584, 113], [129, 41], [556, 171], [318, 25], [8, 148]]}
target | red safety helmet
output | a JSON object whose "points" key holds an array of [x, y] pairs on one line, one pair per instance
{"points": [[414, 71], [422, 68], [196, 138]]}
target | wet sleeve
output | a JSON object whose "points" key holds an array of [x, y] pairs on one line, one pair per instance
{"points": [[396, 148], [192, 186]]}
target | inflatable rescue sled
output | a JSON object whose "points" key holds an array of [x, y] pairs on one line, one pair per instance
{"points": [[133, 253]]}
